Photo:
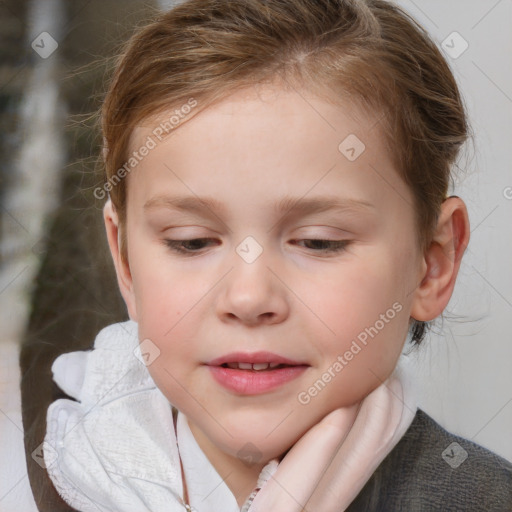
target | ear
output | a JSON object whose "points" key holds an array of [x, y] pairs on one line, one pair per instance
{"points": [[124, 277], [442, 261]]}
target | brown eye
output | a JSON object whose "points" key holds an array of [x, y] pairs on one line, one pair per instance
{"points": [[321, 245], [188, 247]]}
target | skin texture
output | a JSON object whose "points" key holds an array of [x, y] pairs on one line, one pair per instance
{"points": [[248, 152]]}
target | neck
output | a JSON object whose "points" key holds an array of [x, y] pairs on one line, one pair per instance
{"points": [[239, 476]]}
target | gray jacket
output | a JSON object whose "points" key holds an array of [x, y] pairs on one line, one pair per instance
{"points": [[431, 469]]}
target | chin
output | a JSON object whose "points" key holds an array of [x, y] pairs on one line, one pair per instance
{"points": [[255, 447], [247, 434]]}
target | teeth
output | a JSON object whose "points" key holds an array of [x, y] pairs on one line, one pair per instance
{"points": [[260, 366], [250, 366]]}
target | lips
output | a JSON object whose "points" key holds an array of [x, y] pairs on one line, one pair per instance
{"points": [[254, 373]]}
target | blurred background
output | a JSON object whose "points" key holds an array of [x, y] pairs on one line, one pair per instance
{"points": [[57, 286]]}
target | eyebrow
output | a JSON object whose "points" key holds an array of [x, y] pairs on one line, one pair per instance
{"points": [[287, 205]]}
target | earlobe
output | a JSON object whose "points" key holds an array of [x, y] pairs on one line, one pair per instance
{"points": [[442, 261], [121, 265]]}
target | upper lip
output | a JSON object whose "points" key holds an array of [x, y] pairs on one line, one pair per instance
{"points": [[254, 357]]}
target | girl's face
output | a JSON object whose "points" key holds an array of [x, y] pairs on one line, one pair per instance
{"points": [[304, 248]]}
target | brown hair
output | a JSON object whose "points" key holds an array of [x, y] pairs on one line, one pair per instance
{"points": [[370, 51]]}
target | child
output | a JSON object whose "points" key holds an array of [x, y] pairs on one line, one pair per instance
{"points": [[278, 217]]}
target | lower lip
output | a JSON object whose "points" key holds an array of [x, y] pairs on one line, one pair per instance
{"points": [[254, 382]]}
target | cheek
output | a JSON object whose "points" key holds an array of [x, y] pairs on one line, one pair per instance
{"points": [[353, 296], [163, 293], [168, 300], [364, 313]]}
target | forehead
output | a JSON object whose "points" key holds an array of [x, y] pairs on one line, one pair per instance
{"points": [[284, 136], [260, 109]]}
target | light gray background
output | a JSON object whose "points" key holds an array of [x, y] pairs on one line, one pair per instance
{"points": [[466, 371]]}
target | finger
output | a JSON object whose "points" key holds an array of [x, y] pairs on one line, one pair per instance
{"points": [[303, 466]]}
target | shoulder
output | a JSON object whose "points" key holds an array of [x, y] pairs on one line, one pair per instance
{"points": [[433, 469]]}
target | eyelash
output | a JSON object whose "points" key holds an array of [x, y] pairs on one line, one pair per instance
{"points": [[336, 245]]}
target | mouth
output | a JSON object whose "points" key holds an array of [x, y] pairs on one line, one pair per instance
{"points": [[256, 373]]}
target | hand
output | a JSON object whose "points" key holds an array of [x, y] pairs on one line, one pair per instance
{"points": [[330, 464]]}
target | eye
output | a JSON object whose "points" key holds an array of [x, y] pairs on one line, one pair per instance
{"points": [[320, 245], [195, 245], [188, 247]]}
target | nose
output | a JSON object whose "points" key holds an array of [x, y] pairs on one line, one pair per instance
{"points": [[252, 295]]}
